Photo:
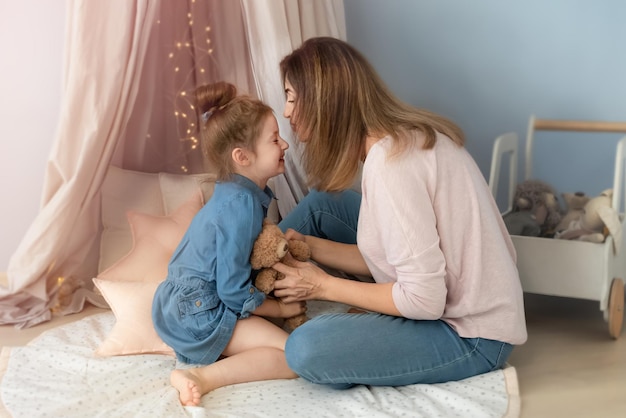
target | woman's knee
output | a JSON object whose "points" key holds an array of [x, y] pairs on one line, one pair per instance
{"points": [[313, 345], [299, 350], [314, 358], [326, 215]]}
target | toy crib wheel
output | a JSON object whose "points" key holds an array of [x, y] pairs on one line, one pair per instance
{"points": [[616, 308]]}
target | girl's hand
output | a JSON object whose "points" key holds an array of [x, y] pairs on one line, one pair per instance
{"points": [[288, 310], [303, 281]]}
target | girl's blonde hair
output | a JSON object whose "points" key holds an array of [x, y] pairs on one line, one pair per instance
{"points": [[340, 100], [228, 121]]}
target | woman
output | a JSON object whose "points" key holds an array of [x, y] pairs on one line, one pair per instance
{"points": [[446, 302]]}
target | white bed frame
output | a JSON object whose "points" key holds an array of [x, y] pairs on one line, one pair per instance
{"points": [[574, 269]]}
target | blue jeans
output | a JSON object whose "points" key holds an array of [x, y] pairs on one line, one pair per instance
{"points": [[333, 216], [342, 350]]}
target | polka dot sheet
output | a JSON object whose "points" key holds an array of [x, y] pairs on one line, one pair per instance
{"points": [[57, 375]]}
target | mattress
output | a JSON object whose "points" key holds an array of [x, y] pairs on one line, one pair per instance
{"points": [[58, 375]]}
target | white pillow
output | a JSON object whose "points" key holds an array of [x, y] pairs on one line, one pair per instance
{"points": [[156, 194], [144, 216], [129, 285]]}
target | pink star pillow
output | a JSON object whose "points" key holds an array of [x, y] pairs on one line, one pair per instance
{"points": [[129, 285]]}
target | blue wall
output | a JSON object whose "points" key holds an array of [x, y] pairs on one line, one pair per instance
{"points": [[490, 64]]}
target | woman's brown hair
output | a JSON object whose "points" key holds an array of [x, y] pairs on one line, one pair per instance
{"points": [[340, 100], [228, 121]]}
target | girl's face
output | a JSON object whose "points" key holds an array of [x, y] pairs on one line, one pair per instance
{"points": [[268, 158], [290, 110]]}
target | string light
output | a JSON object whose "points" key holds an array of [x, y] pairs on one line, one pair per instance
{"points": [[190, 44]]}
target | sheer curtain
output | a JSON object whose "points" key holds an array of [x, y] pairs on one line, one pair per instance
{"points": [[129, 69], [275, 28]]}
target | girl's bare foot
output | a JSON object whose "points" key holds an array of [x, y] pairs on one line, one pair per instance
{"points": [[188, 387]]}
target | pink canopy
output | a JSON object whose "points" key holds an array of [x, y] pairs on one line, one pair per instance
{"points": [[128, 70]]}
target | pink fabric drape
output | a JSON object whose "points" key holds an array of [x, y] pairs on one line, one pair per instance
{"points": [[192, 43], [102, 65], [129, 70]]}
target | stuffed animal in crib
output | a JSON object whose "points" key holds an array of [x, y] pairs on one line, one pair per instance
{"points": [[536, 210], [270, 247], [575, 208], [522, 223], [597, 220]]}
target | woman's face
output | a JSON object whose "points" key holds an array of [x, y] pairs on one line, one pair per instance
{"points": [[290, 110]]}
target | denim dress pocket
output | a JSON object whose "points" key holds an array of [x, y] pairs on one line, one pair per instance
{"points": [[200, 312]]}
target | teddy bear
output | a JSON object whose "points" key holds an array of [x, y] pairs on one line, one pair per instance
{"points": [[270, 247], [536, 210], [575, 206], [597, 220]]}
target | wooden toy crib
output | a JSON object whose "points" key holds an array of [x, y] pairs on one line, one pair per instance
{"points": [[556, 267]]}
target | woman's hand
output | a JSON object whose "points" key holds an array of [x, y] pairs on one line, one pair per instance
{"points": [[293, 234], [303, 281], [336, 255]]}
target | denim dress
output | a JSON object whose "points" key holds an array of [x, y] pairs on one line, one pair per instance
{"points": [[209, 285]]}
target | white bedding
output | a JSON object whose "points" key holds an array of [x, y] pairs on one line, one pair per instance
{"points": [[57, 375]]}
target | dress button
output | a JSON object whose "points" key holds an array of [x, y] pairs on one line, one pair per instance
{"points": [[252, 290], [198, 303]]}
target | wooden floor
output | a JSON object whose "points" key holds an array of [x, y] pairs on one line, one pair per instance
{"points": [[569, 367]]}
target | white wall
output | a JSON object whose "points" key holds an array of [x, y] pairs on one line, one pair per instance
{"points": [[31, 46]]}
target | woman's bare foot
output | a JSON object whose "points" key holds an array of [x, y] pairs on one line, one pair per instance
{"points": [[187, 385]]}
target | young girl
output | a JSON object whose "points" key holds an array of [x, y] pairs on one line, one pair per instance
{"points": [[208, 309]]}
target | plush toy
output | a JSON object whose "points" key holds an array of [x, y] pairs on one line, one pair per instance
{"points": [[269, 248], [535, 211], [597, 220], [522, 223], [575, 207]]}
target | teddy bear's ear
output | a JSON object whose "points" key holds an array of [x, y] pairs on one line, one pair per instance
{"points": [[608, 193]]}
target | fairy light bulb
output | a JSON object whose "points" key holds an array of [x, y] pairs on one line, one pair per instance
{"points": [[190, 44]]}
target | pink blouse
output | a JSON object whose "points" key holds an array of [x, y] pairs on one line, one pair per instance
{"points": [[428, 223]]}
